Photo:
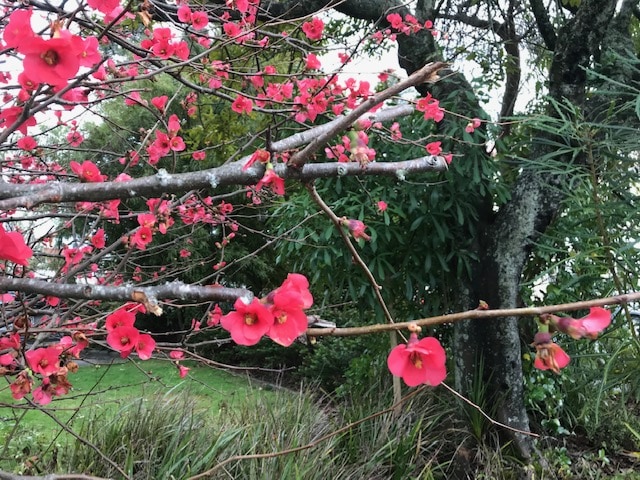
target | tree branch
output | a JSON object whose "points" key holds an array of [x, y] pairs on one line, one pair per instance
{"points": [[473, 314], [172, 290]]}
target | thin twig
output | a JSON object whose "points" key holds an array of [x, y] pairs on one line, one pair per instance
{"points": [[486, 415], [474, 314]]}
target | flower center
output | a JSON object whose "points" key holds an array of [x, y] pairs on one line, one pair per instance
{"points": [[416, 359], [249, 319], [282, 318], [50, 57]]}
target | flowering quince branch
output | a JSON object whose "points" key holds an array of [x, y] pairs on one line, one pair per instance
{"points": [[173, 290], [425, 74], [474, 315]]}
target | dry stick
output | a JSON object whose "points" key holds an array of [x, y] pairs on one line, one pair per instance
{"points": [[313, 444], [397, 387], [474, 314], [486, 415]]}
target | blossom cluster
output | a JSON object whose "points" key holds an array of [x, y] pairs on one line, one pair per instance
{"points": [[280, 315], [550, 355], [50, 365]]}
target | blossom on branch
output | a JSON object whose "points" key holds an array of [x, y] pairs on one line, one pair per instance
{"points": [[13, 247], [248, 323], [419, 361], [549, 355], [588, 326]]}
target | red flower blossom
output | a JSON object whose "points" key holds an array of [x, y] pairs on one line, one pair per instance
{"points": [[419, 362], [18, 31], [123, 339], [214, 316], [589, 326], [87, 171], [183, 371], [434, 148], [160, 102], [53, 61], [45, 361], [297, 284], [382, 206], [13, 247], [119, 318], [272, 179], [313, 29], [145, 346], [98, 240], [21, 386], [142, 238], [27, 143], [357, 228], [549, 355], [248, 323], [242, 105], [289, 320], [431, 108]]}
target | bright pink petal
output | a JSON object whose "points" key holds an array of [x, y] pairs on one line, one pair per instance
{"points": [[597, 320]]}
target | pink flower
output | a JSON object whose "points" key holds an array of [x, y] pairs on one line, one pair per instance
{"points": [[431, 108], [214, 316], [104, 6], [434, 148], [18, 31], [183, 371], [589, 326], [160, 102], [119, 318], [312, 62], [176, 354], [45, 361], [382, 206], [145, 346], [549, 355], [299, 285], [259, 155], [419, 362], [142, 237], [199, 155], [289, 320], [75, 138], [248, 323], [242, 105], [53, 61], [98, 240], [357, 228], [184, 13], [27, 143], [313, 29], [272, 179], [87, 171], [13, 247], [123, 339], [199, 20]]}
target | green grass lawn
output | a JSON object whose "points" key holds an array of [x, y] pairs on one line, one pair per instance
{"points": [[107, 388]]}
